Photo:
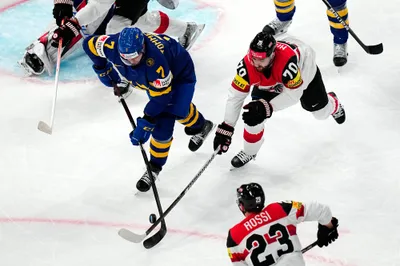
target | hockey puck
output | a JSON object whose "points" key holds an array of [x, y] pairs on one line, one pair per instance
{"points": [[152, 218]]}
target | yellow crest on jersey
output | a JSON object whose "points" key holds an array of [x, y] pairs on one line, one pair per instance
{"points": [[230, 253], [297, 205], [150, 62]]}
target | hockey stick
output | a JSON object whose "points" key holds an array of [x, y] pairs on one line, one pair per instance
{"points": [[43, 126], [152, 241], [370, 49], [313, 244], [161, 233]]}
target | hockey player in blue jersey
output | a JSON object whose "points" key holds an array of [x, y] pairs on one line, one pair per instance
{"points": [[164, 69], [285, 10]]}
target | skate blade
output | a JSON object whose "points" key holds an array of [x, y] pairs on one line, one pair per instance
{"points": [[196, 35]]}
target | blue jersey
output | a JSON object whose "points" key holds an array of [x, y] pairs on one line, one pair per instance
{"points": [[164, 64]]}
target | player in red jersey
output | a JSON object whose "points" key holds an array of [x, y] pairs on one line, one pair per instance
{"points": [[267, 235], [279, 74]]}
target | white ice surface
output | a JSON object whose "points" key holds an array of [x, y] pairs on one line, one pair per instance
{"points": [[64, 197]]}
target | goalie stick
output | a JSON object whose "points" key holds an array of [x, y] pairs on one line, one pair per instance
{"points": [[161, 233], [43, 126], [156, 238], [370, 49]]}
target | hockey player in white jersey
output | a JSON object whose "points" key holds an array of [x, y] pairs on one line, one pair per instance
{"points": [[268, 234], [279, 74], [101, 17]]}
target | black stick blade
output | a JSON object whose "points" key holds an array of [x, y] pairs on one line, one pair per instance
{"points": [[374, 49], [156, 238]]}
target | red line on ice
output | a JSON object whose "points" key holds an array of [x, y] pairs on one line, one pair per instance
{"points": [[77, 222], [4, 8]]}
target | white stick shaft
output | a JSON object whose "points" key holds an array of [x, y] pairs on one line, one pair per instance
{"points": [[42, 126], [53, 107]]}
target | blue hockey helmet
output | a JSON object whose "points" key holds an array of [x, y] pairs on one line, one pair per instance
{"points": [[250, 197], [130, 43]]}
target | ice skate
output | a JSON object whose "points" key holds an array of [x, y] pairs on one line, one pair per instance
{"points": [[193, 31], [339, 115], [197, 140], [144, 183], [241, 159], [277, 27], [340, 54]]}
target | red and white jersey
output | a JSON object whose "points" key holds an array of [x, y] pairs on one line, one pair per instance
{"points": [[263, 238], [291, 72]]}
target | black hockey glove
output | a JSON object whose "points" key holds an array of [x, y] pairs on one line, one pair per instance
{"points": [[258, 111], [66, 32], [327, 235], [223, 137], [62, 9]]}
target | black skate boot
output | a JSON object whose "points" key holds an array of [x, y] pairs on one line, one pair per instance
{"points": [[339, 115], [198, 137], [339, 54], [144, 183], [241, 159]]}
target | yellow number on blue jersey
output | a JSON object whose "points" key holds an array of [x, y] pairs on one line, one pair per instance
{"points": [[97, 44]]}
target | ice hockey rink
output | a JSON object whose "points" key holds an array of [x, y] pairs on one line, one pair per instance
{"points": [[64, 197]]}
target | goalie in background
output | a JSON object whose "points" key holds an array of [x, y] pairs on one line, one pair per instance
{"points": [[88, 17], [268, 234]]}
